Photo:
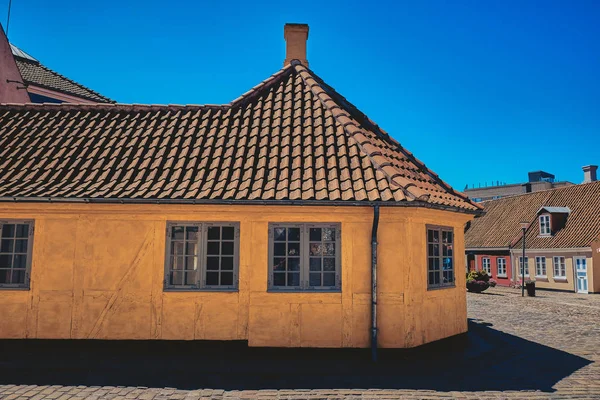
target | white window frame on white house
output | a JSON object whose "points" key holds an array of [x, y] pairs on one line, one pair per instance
{"points": [[203, 246], [559, 268], [16, 250], [545, 229], [486, 265], [501, 267], [540, 267], [526, 266], [310, 255]]}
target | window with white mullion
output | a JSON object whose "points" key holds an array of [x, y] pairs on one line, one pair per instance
{"points": [[540, 266], [545, 225], [560, 269], [501, 267], [486, 265]]}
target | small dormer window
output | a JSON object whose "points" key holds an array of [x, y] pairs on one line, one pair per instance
{"points": [[545, 225]]}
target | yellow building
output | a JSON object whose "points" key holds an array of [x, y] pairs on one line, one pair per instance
{"points": [[285, 218]]}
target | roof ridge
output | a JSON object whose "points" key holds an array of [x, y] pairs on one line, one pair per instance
{"points": [[112, 106], [386, 137], [255, 90], [553, 190]]}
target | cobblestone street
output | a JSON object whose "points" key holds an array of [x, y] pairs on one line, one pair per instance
{"points": [[543, 347]]}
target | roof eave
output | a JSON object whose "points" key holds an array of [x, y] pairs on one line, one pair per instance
{"points": [[330, 203]]}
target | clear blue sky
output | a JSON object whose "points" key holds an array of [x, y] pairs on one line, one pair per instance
{"points": [[478, 90]]}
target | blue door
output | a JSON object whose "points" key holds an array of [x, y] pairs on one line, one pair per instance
{"points": [[581, 274]]}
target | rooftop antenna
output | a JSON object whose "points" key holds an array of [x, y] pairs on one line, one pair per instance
{"points": [[8, 17]]}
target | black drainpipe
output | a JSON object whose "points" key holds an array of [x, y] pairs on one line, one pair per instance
{"points": [[374, 283]]}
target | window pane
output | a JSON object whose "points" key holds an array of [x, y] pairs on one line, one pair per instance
{"points": [[436, 236], [432, 277], [293, 279], [191, 248], [5, 275], [430, 235], [315, 234], [279, 234], [329, 264], [279, 279], [227, 248], [22, 230], [190, 278], [177, 277], [7, 245], [177, 263], [315, 279], [227, 232], [227, 263], [227, 278], [177, 232], [8, 231], [212, 263], [214, 233], [212, 248], [293, 249], [315, 264], [177, 248], [279, 249], [293, 264], [448, 277], [212, 278], [448, 263], [328, 279], [328, 234], [431, 264], [315, 249], [279, 264], [191, 263], [294, 234], [192, 233], [329, 249]]}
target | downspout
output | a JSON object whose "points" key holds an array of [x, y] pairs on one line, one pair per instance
{"points": [[374, 283]]}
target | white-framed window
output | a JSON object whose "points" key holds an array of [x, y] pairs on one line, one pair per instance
{"points": [[202, 256], [501, 266], [540, 266], [560, 269], [526, 266], [304, 257], [486, 265], [16, 246], [545, 225]]}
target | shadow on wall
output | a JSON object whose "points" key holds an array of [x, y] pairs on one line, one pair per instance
{"points": [[483, 359]]}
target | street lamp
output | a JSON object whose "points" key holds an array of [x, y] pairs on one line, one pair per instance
{"points": [[524, 226]]}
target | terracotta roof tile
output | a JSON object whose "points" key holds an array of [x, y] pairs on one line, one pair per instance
{"points": [[499, 227], [291, 137], [34, 73]]}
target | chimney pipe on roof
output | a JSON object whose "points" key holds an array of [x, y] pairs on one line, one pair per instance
{"points": [[295, 36], [589, 173]]}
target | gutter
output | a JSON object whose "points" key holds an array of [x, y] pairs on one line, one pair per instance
{"points": [[415, 203], [374, 283]]}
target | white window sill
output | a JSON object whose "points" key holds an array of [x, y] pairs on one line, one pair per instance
{"points": [[560, 279], [502, 276]]}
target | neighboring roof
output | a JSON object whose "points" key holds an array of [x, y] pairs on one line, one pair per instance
{"points": [[555, 210], [291, 138], [34, 73], [500, 224]]}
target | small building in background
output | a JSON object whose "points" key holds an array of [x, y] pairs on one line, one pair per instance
{"points": [[562, 249], [538, 180]]}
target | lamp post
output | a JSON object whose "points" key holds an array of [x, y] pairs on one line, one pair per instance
{"points": [[524, 226]]}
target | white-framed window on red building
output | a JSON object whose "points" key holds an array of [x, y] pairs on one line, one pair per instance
{"points": [[486, 265], [501, 267]]}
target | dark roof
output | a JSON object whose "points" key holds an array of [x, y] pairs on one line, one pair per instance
{"points": [[499, 227], [35, 73], [291, 138]]}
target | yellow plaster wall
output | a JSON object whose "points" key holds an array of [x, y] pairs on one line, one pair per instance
{"points": [[98, 270]]}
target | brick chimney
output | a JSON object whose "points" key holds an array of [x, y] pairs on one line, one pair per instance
{"points": [[589, 173], [295, 36]]}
